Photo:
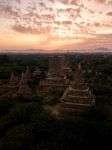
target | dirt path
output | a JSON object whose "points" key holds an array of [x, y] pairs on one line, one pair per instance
{"points": [[54, 110]]}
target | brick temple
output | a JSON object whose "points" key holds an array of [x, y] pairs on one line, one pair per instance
{"points": [[24, 89], [17, 87], [77, 98], [8, 89], [57, 78]]}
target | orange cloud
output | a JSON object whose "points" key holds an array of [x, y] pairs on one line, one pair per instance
{"points": [[42, 4], [48, 16], [109, 13], [71, 2], [100, 1], [110, 2], [30, 30], [52, 1], [67, 23]]}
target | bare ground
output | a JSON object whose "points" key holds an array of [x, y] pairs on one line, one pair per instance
{"points": [[54, 110]]}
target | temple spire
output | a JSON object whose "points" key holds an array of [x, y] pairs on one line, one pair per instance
{"points": [[37, 72], [27, 74], [13, 80], [24, 89]]}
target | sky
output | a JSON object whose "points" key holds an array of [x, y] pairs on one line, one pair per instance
{"points": [[55, 24]]}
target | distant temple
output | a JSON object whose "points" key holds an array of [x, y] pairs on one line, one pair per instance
{"points": [[13, 81], [9, 89], [24, 89], [15, 87], [77, 98], [57, 78], [13, 84], [37, 72], [27, 74]]}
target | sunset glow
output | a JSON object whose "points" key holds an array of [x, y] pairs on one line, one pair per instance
{"points": [[55, 24]]}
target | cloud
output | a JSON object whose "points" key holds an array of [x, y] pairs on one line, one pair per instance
{"points": [[66, 23], [42, 4], [74, 2], [48, 16], [100, 1], [85, 29], [69, 2], [110, 2], [9, 11], [63, 23], [104, 39], [109, 13], [98, 41], [30, 30], [23, 29], [18, 1], [52, 1], [63, 1], [49, 8], [100, 12], [96, 24], [70, 13], [91, 11], [107, 25]]}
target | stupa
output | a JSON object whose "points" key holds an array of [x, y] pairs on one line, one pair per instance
{"points": [[77, 98], [55, 79], [24, 89], [37, 72]]}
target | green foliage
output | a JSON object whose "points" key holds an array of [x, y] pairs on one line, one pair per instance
{"points": [[19, 137], [5, 106], [97, 113], [103, 90], [4, 59], [52, 98], [34, 82]]}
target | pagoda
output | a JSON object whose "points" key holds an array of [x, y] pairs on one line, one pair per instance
{"points": [[77, 98], [37, 72], [13, 85], [9, 89], [13, 81], [55, 79], [27, 73], [24, 89]]}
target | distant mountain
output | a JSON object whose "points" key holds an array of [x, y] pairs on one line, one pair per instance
{"points": [[100, 50], [103, 49], [23, 51]]}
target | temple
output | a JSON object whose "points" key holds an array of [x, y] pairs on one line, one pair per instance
{"points": [[24, 89], [9, 89], [57, 78], [27, 74], [77, 98], [13, 81], [37, 72], [13, 85]]}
